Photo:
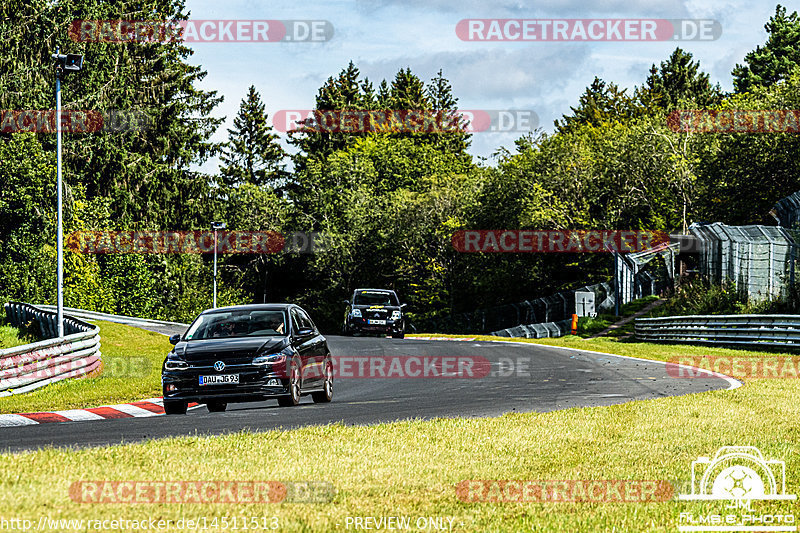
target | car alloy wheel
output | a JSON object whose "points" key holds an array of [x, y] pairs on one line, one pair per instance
{"points": [[326, 394], [293, 398]]}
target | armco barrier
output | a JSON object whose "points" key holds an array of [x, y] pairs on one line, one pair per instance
{"points": [[537, 331], [746, 330], [28, 367], [121, 319]]}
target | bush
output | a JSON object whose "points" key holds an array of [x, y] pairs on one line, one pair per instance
{"points": [[698, 297]]}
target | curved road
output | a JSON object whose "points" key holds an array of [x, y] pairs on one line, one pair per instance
{"points": [[523, 378]]}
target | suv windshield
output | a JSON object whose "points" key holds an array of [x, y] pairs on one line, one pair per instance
{"points": [[375, 298], [238, 324]]}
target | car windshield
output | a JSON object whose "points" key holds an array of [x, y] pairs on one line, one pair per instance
{"points": [[228, 324], [375, 298]]}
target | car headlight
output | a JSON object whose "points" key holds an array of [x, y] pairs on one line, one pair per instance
{"points": [[396, 315], [272, 359], [175, 364], [356, 313]]}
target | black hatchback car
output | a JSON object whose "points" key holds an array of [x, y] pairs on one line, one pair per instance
{"points": [[247, 353], [374, 311]]}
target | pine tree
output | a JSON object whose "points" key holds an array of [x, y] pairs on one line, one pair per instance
{"points": [[252, 153], [147, 166], [778, 58], [337, 94], [440, 94], [600, 103], [679, 79], [408, 92]]}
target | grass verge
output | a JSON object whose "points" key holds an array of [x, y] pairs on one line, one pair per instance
{"points": [[412, 468], [11, 337], [131, 371]]}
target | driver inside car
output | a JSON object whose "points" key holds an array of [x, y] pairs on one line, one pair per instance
{"points": [[225, 329], [276, 325]]}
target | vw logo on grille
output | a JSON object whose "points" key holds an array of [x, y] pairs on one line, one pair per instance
{"points": [[219, 366]]}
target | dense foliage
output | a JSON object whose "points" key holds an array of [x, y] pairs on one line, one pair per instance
{"points": [[386, 202]]}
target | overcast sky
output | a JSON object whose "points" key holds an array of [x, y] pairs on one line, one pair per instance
{"points": [[382, 36]]}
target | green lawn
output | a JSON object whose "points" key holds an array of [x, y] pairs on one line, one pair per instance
{"points": [[131, 371], [11, 336], [412, 468]]}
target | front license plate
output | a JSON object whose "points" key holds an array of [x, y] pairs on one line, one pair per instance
{"points": [[377, 322], [220, 379]]}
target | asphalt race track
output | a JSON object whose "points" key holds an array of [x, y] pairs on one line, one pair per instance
{"points": [[523, 378]]}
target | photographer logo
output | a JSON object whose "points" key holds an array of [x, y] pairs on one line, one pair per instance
{"points": [[738, 475]]}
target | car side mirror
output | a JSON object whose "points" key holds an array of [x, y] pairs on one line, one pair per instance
{"points": [[174, 339], [304, 331], [402, 306], [346, 302]]}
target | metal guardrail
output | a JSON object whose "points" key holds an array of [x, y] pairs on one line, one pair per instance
{"points": [[121, 319], [537, 331], [30, 366], [749, 330]]}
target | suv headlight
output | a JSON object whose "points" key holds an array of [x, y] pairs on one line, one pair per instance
{"points": [[356, 313], [269, 359], [396, 315], [175, 364]]}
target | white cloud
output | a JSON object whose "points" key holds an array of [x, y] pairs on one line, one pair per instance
{"points": [[382, 36]]}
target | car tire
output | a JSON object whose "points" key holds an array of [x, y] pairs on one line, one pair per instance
{"points": [[293, 398], [175, 407], [216, 407], [400, 335], [326, 394]]}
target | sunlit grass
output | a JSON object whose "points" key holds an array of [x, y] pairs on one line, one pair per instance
{"points": [[131, 371], [412, 468], [11, 337]]}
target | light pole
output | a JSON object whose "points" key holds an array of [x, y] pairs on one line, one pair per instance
{"points": [[216, 226], [63, 66]]}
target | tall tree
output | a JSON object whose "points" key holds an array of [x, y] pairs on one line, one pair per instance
{"points": [[145, 167], [779, 56], [440, 94], [337, 94], [679, 79], [252, 153], [599, 104]]}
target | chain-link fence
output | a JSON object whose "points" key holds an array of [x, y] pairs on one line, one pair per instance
{"points": [[554, 308], [641, 274], [759, 260]]}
